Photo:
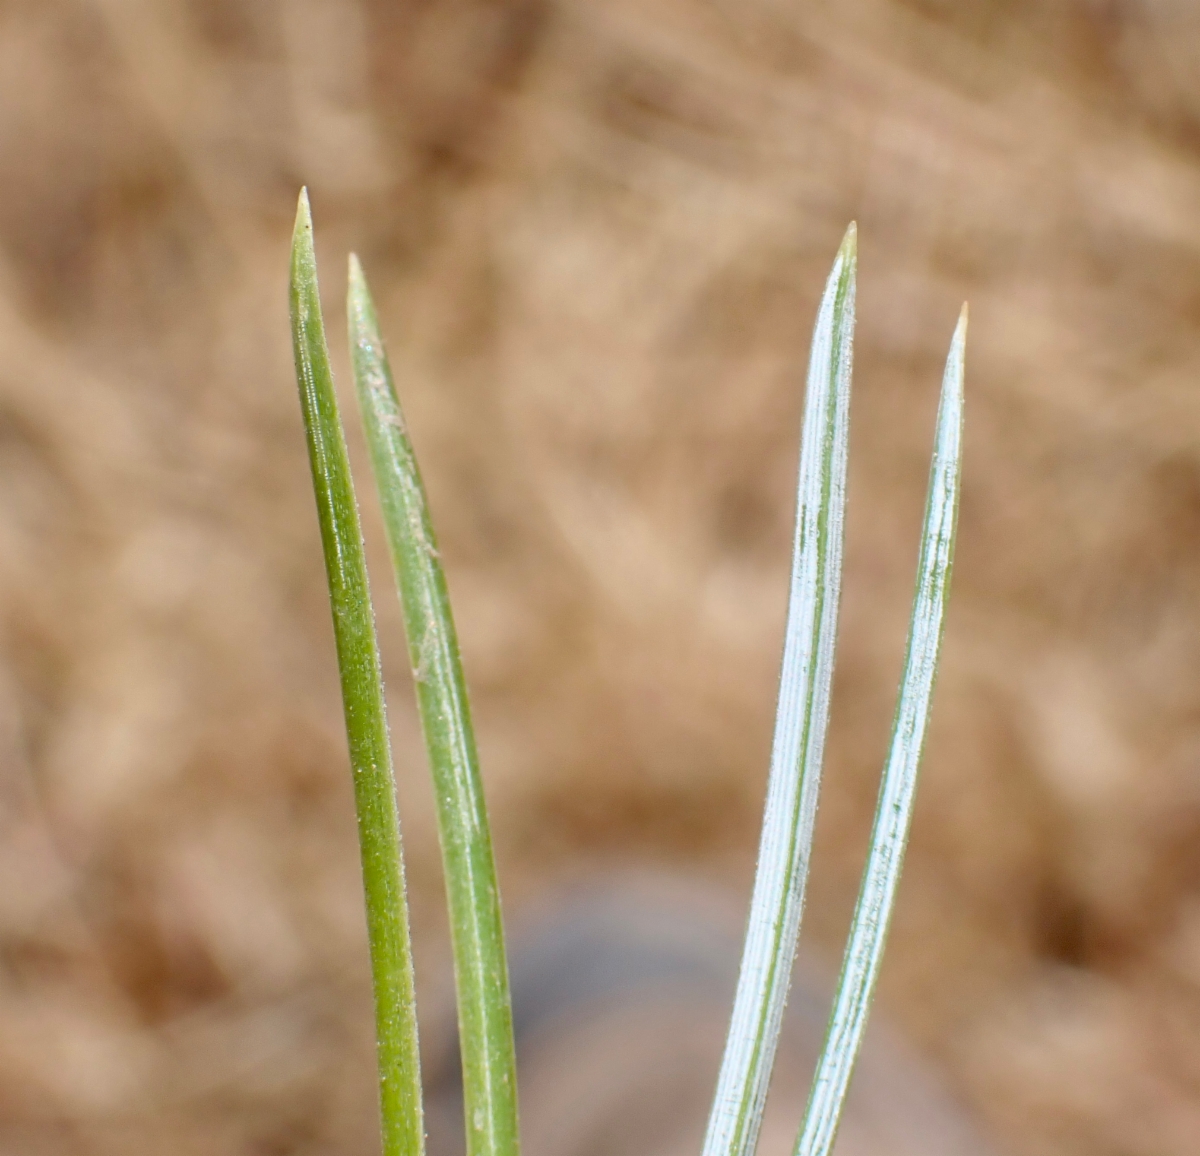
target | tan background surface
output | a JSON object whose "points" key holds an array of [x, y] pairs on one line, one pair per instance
{"points": [[597, 233]]}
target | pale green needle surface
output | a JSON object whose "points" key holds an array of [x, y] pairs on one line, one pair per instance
{"points": [[481, 974], [801, 721], [864, 949], [362, 696]]}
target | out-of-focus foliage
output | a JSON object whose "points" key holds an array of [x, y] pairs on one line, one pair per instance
{"points": [[596, 235]]}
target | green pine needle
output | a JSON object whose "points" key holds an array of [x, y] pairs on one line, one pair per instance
{"points": [[868, 932], [362, 696], [481, 973], [800, 725]]}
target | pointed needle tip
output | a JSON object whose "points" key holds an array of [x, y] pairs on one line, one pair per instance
{"points": [[303, 212], [960, 330]]}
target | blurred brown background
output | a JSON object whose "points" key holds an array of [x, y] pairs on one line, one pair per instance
{"points": [[597, 233]]}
